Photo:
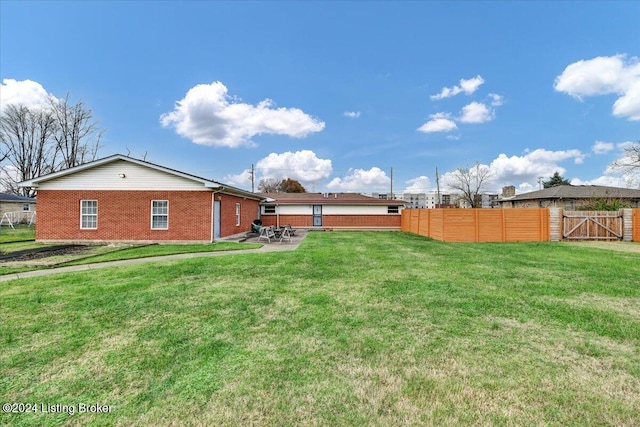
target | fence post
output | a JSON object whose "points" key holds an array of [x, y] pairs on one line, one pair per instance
{"points": [[627, 225], [555, 224]]}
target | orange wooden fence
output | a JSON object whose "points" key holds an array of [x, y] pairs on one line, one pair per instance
{"points": [[479, 225], [635, 233]]}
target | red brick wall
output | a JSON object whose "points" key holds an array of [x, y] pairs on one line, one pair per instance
{"points": [[328, 221], [248, 212], [126, 215]]}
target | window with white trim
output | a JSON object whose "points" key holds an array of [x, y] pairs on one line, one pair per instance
{"points": [[159, 214], [270, 209], [237, 214], [393, 209], [88, 214], [25, 207]]}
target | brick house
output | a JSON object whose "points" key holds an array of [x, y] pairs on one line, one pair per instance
{"points": [[570, 197], [122, 199], [330, 211]]}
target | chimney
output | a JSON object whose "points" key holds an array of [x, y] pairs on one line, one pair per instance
{"points": [[508, 191]]}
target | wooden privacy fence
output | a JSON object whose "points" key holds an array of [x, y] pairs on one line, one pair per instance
{"points": [[521, 225], [479, 225]]}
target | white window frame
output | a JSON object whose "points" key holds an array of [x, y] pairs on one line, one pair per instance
{"points": [[269, 209], [237, 214], [26, 207], [393, 209], [87, 215], [158, 215]]}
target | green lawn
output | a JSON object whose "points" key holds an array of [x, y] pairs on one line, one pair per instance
{"points": [[23, 238], [374, 329], [17, 234]]}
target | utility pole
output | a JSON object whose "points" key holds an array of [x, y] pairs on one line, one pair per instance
{"points": [[439, 204], [391, 195], [252, 178]]}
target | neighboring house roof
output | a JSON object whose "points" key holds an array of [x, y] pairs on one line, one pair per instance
{"points": [[6, 197], [326, 199], [207, 183], [579, 192]]}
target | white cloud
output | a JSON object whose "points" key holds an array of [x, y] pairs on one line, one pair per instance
{"points": [[476, 112], [601, 147], [352, 114], [496, 100], [207, 115], [628, 105], [467, 86], [303, 166], [25, 92], [374, 179], [241, 180], [532, 165], [421, 184], [440, 122], [605, 180], [605, 75]]}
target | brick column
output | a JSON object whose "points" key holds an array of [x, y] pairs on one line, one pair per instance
{"points": [[627, 225], [555, 224]]}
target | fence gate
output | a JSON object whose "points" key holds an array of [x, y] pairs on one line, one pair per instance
{"points": [[592, 225]]}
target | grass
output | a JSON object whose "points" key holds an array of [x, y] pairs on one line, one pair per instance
{"points": [[22, 238], [350, 329], [17, 234]]}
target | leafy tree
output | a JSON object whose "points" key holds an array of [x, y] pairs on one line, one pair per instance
{"points": [[604, 205], [555, 181], [470, 182], [272, 185], [291, 186]]}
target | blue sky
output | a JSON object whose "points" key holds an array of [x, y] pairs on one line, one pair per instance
{"points": [[335, 94]]}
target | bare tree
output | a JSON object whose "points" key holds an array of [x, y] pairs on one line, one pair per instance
{"points": [[629, 164], [78, 135], [26, 140], [470, 182], [43, 139], [269, 185]]}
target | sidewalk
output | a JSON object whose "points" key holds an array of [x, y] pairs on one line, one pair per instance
{"points": [[268, 247]]}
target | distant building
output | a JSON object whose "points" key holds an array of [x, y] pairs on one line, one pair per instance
{"points": [[330, 211], [420, 200], [16, 209], [571, 197]]}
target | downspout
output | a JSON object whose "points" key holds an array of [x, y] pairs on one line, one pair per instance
{"points": [[213, 215]]}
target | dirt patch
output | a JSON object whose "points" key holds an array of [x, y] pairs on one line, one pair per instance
{"points": [[39, 253]]}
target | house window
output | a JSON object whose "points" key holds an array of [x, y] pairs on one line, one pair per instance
{"points": [[88, 214], [237, 214], [25, 207], [159, 214], [269, 209], [393, 209]]}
